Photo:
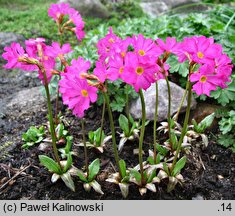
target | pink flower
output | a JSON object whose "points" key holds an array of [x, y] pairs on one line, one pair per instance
{"points": [[80, 34], [200, 49], [76, 93], [170, 46], [78, 66], [137, 73], [104, 45], [55, 50], [101, 71], [121, 47], [49, 64], [57, 10], [33, 45], [12, 55], [116, 67], [206, 80], [146, 48]]}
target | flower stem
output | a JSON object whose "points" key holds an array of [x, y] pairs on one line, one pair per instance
{"points": [[52, 127], [185, 127], [155, 126], [169, 109], [102, 119], [128, 112], [85, 147], [113, 131], [143, 182], [182, 102]]}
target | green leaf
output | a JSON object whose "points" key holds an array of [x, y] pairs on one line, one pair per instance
{"points": [[50, 164], [82, 176], [94, 168], [68, 163], [179, 165], [66, 177], [150, 160], [206, 122], [166, 169], [123, 123], [151, 176], [122, 166], [136, 175], [162, 150], [91, 135]]}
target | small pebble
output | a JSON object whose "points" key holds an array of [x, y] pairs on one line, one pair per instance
{"points": [[220, 177], [198, 197]]}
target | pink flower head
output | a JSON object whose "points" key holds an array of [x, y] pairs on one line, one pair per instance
{"points": [[137, 73], [12, 55], [121, 47], [33, 45], [80, 34], [76, 93], [78, 66], [206, 80], [200, 49], [223, 66], [55, 50], [116, 67], [101, 71], [170, 46], [57, 10], [104, 45], [146, 48], [49, 64]]}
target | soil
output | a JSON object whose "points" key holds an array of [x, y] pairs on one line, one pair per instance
{"points": [[209, 172]]}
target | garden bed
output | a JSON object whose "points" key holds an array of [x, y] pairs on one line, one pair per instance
{"points": [[209, 172]]}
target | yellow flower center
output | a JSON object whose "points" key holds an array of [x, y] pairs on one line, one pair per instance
{"points": [[111, 40], [121, 70], [84, 93], [123, 54], [200, 55], [203, 78], [141, 52], [139, 70]]}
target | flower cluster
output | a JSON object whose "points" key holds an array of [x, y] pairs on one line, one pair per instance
{"points": [[75, 90], [74, 23], [36, 56], [215, 66]]}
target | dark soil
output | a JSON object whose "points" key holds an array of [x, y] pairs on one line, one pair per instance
{"points": [[209, 173]]}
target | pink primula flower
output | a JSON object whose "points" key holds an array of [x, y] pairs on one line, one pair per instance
{"points": [[104, 45], [55, 50], [78, 66], [170, 46], [12, 54], [49, 64], [138, 74], [116, 67], [56, 10], [200, 49], [146, 48], [206, 80], [76, 93]]}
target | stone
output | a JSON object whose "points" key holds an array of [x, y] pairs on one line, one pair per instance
{"points": [[6, 38], [176, 94], [23, 102], [155, 7], [90, 8], [202, 110]]}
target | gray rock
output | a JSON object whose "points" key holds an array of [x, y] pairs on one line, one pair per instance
{"points": [[176, 94], [198, 197], [92, 8], [6, 38], [155, 7], [24, 102]]}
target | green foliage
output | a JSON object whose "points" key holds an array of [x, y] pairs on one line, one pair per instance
{"points": [[179, 166], [33, 136], [204, 124], [94, 137], [50, 164], [227, 127], [122, 166]]}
